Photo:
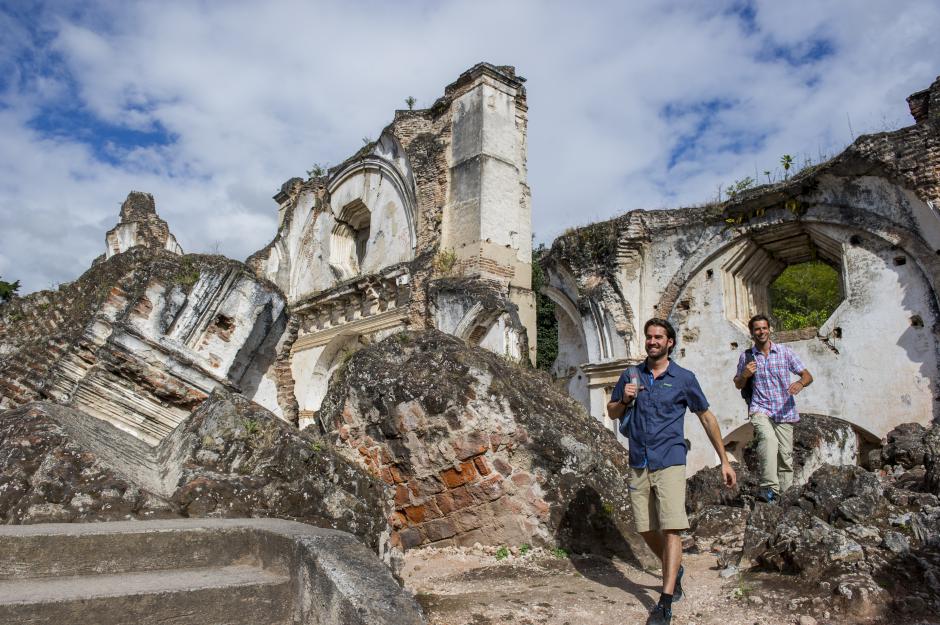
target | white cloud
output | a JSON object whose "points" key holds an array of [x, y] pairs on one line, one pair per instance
{"points": [[252, 94]]}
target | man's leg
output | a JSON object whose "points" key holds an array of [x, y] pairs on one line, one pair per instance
{"points": [[766, 451], [784, 436], [672, 558], [654, 540]]}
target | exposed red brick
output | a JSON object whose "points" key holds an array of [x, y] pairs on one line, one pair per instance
{"points": [[453, 478], [402, 497], [415, 514], [481, 465], [472, 444], [445, 503], [438, 529], [397, 476], [521, 479], [143, 308]]}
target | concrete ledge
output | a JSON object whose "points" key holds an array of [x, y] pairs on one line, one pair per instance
{"points": [[334, 579]]}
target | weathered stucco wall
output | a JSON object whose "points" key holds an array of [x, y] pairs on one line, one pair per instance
{"points": [[442, 194], [872, 213]]}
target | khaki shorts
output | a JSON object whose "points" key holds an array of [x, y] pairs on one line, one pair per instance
{"points": [[658, 498]]}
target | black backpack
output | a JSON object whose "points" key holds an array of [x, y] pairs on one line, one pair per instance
{"points": [[747, 391]]}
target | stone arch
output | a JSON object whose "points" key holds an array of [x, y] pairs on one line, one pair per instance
{"points": [[852, 452], [316, 384], [384, 184], [493, 329], [890, 301], [718, 243], [577, 350]]}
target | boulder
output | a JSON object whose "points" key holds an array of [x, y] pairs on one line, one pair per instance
{"points": [[847, 492], [706, 488], [478, 449], [932, 460], [905, 446]]}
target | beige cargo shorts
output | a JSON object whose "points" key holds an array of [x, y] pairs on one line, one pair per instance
{"points": [[658, 498]]}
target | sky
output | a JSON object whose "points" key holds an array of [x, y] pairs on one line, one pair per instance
{"points": [[211, 105]]}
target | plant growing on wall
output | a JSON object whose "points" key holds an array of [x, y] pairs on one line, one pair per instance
{"points": [[786, 161], [444, 262], [8, 290], [546, 324], [410, 101]]}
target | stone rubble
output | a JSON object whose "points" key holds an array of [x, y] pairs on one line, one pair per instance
{"points": [[868, 542]]}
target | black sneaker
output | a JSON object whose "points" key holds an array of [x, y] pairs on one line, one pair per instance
{"points": [[659, 616], [677, 592]]}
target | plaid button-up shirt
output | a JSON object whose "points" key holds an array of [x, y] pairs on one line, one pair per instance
{"points": [[771, 381]]}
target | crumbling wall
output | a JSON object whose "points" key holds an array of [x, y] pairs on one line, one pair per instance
{"points": [[142, 337], [441, 193], [871, 212]]}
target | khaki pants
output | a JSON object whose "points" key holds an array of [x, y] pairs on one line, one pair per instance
{"points": [[658, 498], [775, 450]]}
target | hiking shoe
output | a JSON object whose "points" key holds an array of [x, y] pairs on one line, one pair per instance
{"points": [[659, 616], [768, 496], [677, 591]]}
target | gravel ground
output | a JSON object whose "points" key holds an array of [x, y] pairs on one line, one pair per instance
{"points": [[472, 587]]}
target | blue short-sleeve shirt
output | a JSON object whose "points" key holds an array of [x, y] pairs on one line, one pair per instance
{"points": [[656, 429]]}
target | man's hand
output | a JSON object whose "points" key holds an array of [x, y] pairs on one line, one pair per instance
{"points": [[749, 370], [727, 473], [629, 393], [795, 388]]}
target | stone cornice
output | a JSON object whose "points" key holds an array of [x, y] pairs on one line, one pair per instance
{"points": [[365, 325]]}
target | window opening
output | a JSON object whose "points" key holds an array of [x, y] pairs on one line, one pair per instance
{"points": [[805, 295]]}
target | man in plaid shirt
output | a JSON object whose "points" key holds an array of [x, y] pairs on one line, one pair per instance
{"points": [[772, 408]]}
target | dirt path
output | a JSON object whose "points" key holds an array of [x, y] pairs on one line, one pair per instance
{"points": [[471, 587]]}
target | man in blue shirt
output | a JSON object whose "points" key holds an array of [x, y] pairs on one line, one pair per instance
{"points": [[655, 397]]}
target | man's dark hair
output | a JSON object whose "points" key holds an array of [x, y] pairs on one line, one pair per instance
{"points": [[755, 319], [665, 325]]}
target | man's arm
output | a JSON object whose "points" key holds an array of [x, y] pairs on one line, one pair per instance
{"points": [[615, 409], [745, 370], [805, 380], [710, 423]]}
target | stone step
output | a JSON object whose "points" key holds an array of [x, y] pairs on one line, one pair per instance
{"points": [[195, 572], [47, 550], [211, 595]]}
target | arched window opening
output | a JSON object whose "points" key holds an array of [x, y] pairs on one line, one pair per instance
{"points": [[349, 243], [792, 273]]}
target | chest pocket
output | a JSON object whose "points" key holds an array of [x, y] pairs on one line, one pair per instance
{"points": [[667, 397]]}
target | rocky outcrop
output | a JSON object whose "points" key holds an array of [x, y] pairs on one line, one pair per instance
{"points": [[230, 459], [868, 539], [477, 449]]}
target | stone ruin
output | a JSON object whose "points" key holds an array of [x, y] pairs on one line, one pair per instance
{"points": [[872, 213], [367, 369]]}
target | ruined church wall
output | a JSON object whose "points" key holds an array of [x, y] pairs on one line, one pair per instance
{"points": [[360, 247], [871, 212]]}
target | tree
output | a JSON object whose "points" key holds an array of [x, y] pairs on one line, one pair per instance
{"points": [[786, 161], [410, 101], [545, 322], [8, 290], [805, 295]]}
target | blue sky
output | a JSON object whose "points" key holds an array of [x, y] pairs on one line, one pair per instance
{"points": [[210, 106]]}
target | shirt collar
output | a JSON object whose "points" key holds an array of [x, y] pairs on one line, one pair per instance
{"points": [[670, 368], [755, 351]]}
